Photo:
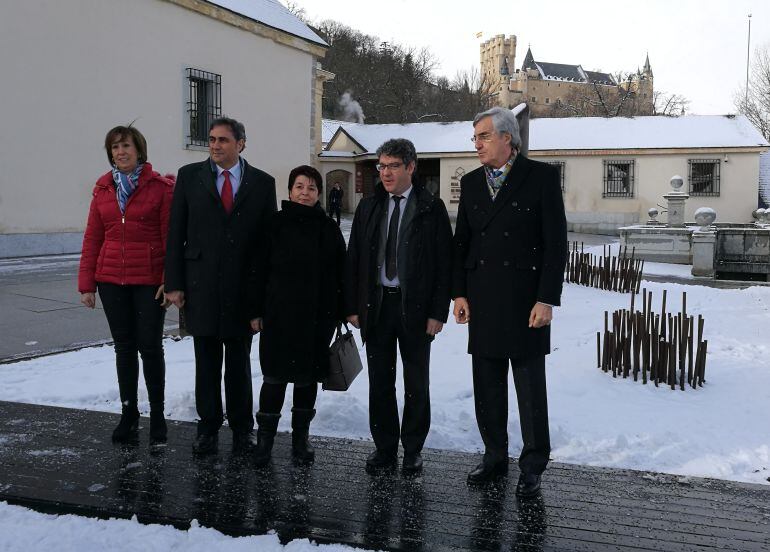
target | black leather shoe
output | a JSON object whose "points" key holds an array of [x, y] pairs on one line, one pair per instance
{"points": [[485, 472], [412, 462], [528, 485], [244, 441], [206, 444], [380, 459]]}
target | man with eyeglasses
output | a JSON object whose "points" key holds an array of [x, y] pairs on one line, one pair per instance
{"points": [[397, 292], [509, 253]]}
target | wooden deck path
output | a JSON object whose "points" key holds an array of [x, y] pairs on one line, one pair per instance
{"points": [[61, 460]]}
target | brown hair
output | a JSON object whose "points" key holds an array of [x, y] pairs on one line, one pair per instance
{"points": [[310, 172], [120, 133]]}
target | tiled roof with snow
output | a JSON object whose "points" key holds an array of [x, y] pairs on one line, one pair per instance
{"points": [[764, 177], [273, 14], [577, 133]]}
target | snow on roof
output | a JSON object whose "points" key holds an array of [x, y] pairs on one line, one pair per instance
{"points": [[692, 131], [576, 133], [764, 177], [329, 127], [273, 14], [426, 137]]}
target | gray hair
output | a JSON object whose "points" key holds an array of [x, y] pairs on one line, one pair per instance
{"points": [[504, 121], [398, 147]]}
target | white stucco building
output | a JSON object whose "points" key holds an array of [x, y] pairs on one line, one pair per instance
{"points": [[613, 170], [74, 69]]}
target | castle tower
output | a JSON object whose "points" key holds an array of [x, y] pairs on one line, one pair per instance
{"points": [[498, 56], [647, 71]]}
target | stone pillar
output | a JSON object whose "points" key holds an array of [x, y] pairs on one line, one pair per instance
{"points": [[704, 253], [676, 201]]}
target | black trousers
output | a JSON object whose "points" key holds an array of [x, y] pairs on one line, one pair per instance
{"points": [[384, 336], [209, 351], [335, 211], [136, 320], [490, 389]]}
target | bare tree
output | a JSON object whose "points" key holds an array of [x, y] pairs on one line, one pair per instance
{"points": [[619, 100], [670, 105], [297, 11], [756, 104]]}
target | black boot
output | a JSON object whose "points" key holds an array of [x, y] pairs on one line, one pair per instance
{"points": [[267, 426], [300, 429], [128, 424], [158, 428]]}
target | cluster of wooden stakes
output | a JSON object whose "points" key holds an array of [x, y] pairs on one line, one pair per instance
{"points": [[662, 348], [621, 272]]}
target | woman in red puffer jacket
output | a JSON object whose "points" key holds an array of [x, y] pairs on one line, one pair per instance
{"points": [[124, 247]]}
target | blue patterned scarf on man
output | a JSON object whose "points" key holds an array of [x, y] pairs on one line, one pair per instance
{"points": [[125, 184], [496, 177]]}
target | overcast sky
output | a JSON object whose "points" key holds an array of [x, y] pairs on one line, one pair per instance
{"points": [[697, 48]]}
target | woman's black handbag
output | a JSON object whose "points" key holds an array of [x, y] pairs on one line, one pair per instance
{"points": [[344, 361]]}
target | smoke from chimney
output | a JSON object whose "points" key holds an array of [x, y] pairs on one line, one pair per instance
{"points": [[351, 109]]}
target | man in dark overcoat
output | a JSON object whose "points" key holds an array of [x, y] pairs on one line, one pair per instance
{"points": [[218, 215], [397, 291], [335, 201], [510, 250]]}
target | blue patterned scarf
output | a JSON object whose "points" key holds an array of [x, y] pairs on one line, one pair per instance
{"points": [[125, 184], [496, 177]]}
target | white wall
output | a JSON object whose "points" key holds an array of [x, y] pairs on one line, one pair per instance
{"points": [[72, 70]]}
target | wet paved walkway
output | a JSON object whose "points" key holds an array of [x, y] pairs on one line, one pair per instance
{"points": [[61, 461]]}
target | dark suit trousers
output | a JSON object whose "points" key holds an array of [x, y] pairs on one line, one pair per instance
{"points": [[383, 337], [208, 381], [490, 387]]}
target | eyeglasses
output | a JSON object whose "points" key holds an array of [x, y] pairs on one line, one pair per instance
{"points": [[392, 166], [483, 137]]}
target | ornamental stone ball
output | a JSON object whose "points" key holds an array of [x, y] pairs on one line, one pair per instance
{"points": [[704, 216], [653, 214], [676, 183], [755, 214]]}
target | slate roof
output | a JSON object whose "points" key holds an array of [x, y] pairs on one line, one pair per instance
{"points": [[600, 78], [565, 72]]}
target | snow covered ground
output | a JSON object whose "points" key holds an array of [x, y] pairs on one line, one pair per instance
{"points": [[24, 530], [717, 431]]}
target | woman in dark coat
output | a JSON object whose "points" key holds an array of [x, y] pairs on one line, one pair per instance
{"points": [[300, 303], [124, 246]]}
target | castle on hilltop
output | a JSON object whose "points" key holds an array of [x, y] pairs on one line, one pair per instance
{"points": [[558, 89]]}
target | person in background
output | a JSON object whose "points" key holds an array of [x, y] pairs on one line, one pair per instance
{"points": [[300, 290], [124, 247], [335, 201]]}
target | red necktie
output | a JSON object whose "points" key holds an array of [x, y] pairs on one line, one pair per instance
{"points": [[227, 193]]}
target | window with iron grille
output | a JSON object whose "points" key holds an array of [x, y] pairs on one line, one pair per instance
{"points": [[204, 104], [560, 167], [704, 177], [618, 178]]}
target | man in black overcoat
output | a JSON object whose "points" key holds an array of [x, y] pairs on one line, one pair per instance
{"points": [[510, 250], [218, 214], [335, 201], [397, 291]]}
